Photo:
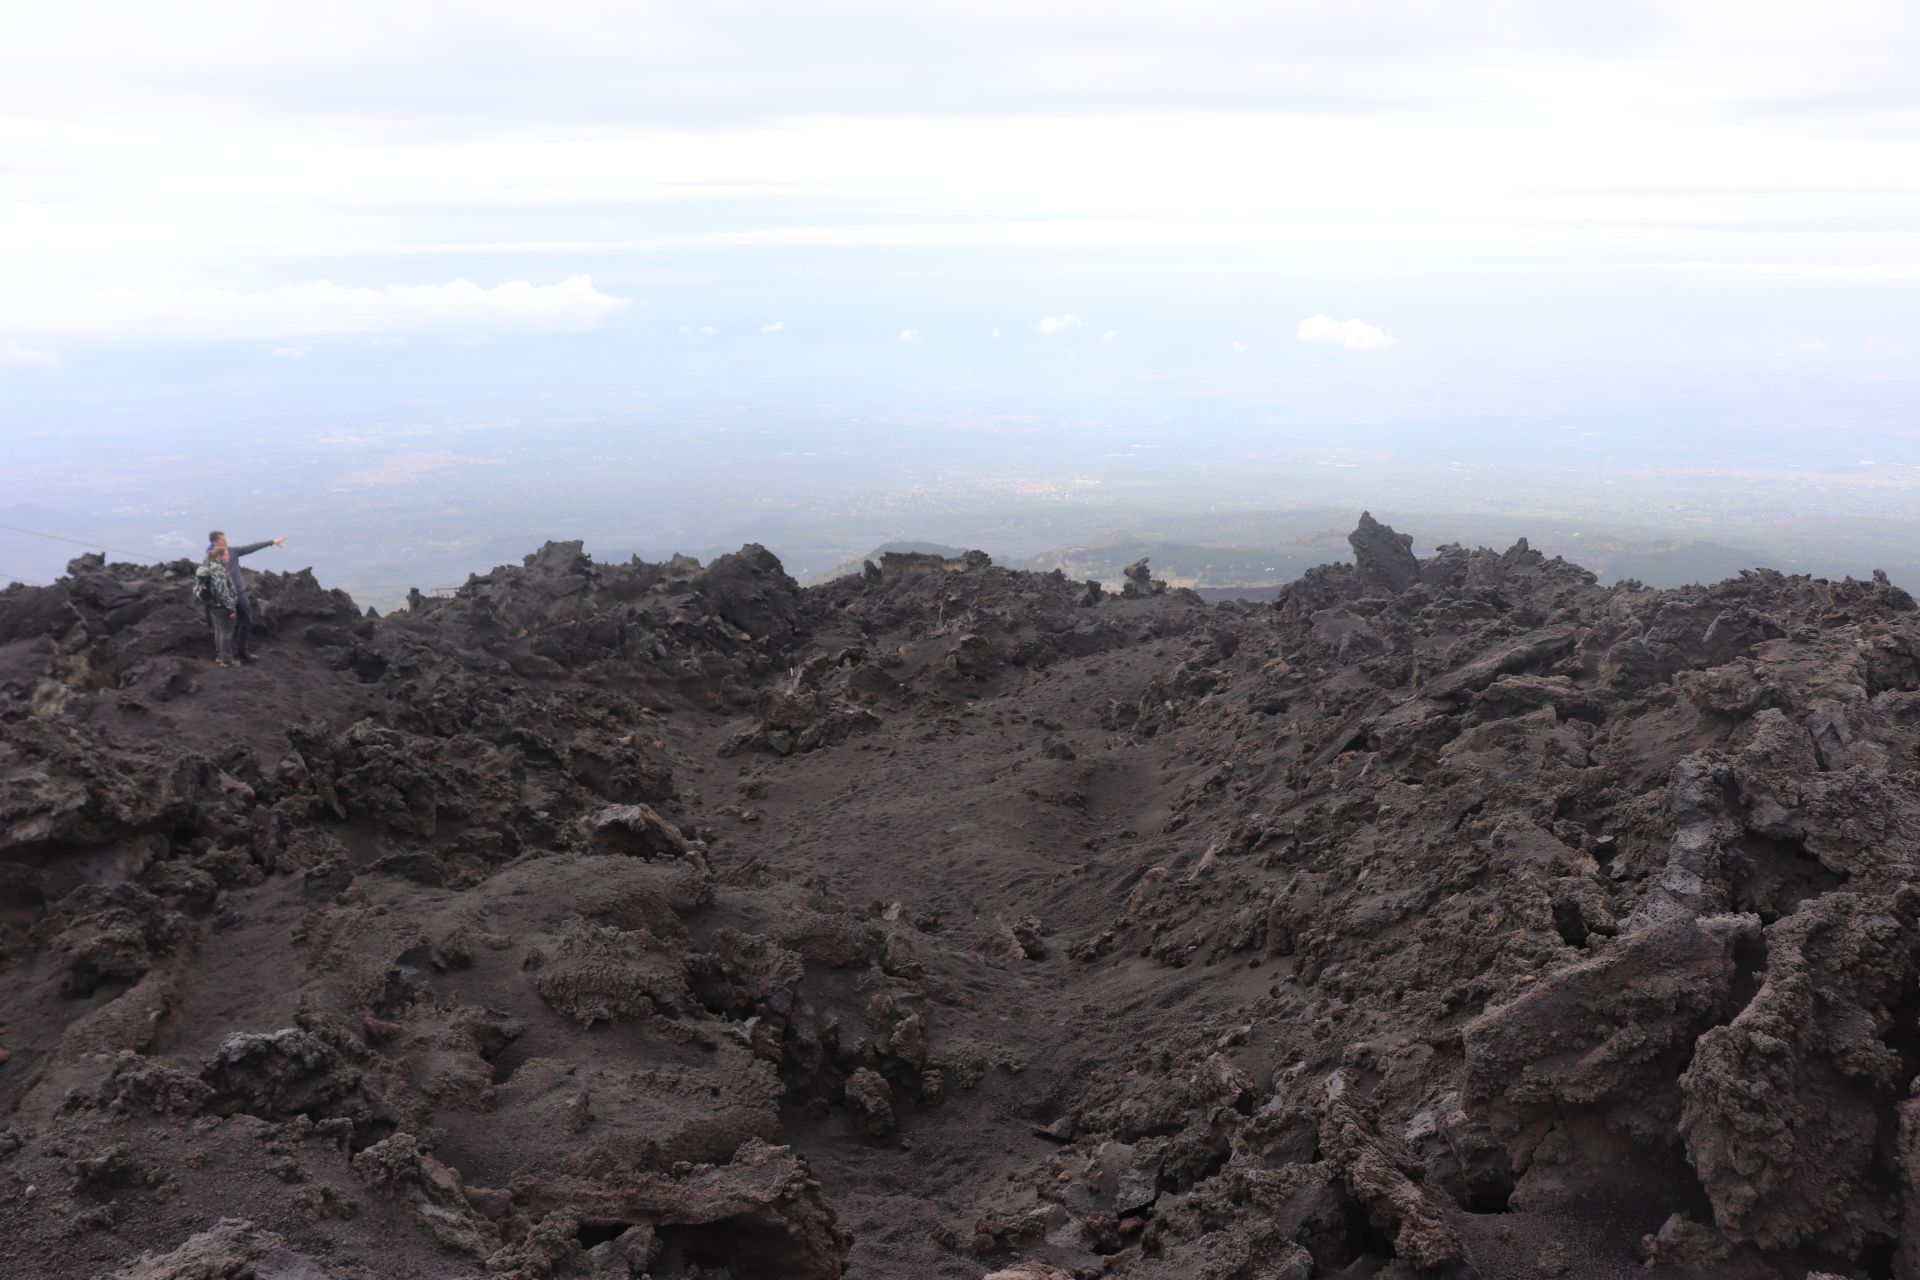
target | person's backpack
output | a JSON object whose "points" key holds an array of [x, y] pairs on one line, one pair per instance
{"points": [[203, 585]]}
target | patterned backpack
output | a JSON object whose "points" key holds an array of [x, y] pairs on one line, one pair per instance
{"points": [[203, 585]]}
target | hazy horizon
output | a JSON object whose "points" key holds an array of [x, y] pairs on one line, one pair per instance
{"points": [[413, 287]]}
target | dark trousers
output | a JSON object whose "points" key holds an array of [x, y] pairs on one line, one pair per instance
{"points": [[230, 635], [242, 630], [222, 634]]}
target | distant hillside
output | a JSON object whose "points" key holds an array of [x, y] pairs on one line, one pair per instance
{"points": [[846, 567], [1185, 564], [1257, 571], [1250, 554]]}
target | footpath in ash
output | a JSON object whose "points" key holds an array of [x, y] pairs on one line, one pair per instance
{"points": [[1447, 916]]}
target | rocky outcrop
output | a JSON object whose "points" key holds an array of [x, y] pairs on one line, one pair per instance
{"points": [[232, 1247], [1382, 558], [1608, 1028], [671, 920], [1787, 1105], [760, 1216]]}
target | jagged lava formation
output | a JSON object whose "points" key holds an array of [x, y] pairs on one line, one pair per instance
{"points": [[1446, 917]]}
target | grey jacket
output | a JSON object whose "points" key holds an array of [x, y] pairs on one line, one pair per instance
{"points": [[233, 569]]}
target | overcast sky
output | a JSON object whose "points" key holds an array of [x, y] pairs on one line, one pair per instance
{"points": [[1371, 216]]}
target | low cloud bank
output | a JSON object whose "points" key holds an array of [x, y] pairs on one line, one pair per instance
{"points": [[320, 309]]}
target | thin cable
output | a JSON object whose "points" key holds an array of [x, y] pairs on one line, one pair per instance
{"points": [[23, 581], [79, 543]]}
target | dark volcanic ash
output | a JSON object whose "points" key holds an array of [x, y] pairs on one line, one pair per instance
{"points": [[1447, 917]]}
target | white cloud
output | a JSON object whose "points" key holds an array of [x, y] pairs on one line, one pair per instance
{"points": [[1652, 129], [995, 334], [705, 330], [1109, 335], [776, 327], [277, 144], [1238, 347], [1050, 325], [1354, 335], [318, 309], [1815, 347], [908, 335], [15, 356], [290, 353]]}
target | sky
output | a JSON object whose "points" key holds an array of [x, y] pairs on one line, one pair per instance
{"points": [[1689, 231]]}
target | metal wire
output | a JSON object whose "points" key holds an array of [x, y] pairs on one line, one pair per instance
{"points": [[97, 546]]}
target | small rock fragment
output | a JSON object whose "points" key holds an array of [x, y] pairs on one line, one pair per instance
{"points": [[871, 1098]]}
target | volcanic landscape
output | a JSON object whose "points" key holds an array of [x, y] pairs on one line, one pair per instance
{"points": [[1444, 917]]}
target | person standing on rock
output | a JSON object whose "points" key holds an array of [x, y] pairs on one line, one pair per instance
{"points": [[214, 586], [243, 611]]}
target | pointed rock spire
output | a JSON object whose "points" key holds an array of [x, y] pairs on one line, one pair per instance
{"points": [[1384, 558]]}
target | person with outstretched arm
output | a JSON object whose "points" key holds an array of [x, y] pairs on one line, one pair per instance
{"points": [[214, 588], [243, 615]]}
